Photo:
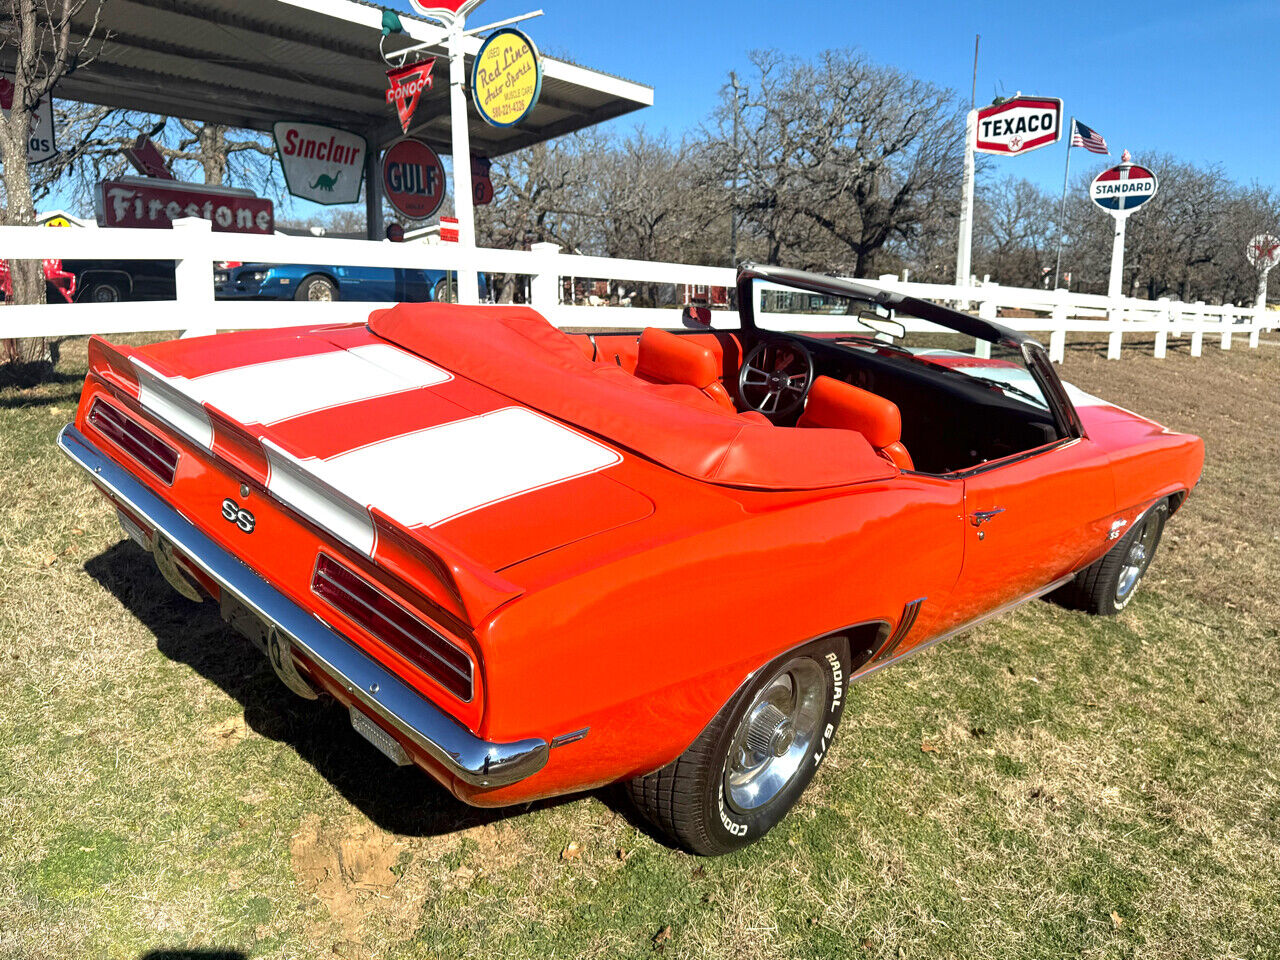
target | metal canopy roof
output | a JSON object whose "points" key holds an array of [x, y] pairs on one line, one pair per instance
{"points": [[250, 63]]}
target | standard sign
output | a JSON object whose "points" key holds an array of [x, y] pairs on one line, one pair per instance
{"points": [[1123, 188], [413, 178], [506, 78], [321, 164], [1019, 125]]}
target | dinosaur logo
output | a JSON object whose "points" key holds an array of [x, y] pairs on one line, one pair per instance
{"points": [[325, 182]]}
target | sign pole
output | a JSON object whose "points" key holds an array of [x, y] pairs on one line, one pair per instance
{"points": [[1062, 207], [463, 200], [965, 247], [1117, 258]]}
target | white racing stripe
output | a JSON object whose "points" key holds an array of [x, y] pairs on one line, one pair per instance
{"points": [[435, 475], [280, 389]]}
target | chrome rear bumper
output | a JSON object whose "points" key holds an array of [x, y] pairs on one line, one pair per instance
{"points": [[378, 691]]}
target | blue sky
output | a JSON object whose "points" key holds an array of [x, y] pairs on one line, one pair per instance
{"points": [[1197, 80]]}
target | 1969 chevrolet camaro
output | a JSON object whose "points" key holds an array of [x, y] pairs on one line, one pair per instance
{"points": [[533, 562]]}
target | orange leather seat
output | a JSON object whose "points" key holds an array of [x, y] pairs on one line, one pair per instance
{"points": [[664, 357], [832, 403]]}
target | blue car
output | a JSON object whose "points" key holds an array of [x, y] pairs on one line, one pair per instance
{"points": [[305, 281]]}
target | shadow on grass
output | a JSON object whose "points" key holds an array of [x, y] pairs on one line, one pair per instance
{"points": [[212, 953], [402, 800]]}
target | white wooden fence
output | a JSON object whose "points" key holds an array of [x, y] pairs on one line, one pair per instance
{"points": [[194, 248]]}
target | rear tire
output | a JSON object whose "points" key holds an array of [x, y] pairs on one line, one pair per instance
{"points": [[744, 772], [104, 291], [1106, 586], [441, 293]]}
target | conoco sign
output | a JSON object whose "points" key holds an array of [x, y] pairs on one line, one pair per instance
{"points": [[137, 202], [413, 178], [1019, 125]]}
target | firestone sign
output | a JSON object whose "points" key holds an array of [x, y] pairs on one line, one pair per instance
{"points": [[136, 202], [1019, 125], [321, 164]]}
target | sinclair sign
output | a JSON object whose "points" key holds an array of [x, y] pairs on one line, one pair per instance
{"points": [[321, 164], [1019, 125], [144, 202]]}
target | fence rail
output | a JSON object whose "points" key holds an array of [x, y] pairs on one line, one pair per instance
{"points": [[194, 248]]}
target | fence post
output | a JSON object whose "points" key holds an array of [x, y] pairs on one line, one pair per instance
{"points": [[1162, 334], [544, 286], [1116, 315], [1256, 326], [1197, 330], [1058, 335], [193, 276], [1226, 319], [987, 310]]}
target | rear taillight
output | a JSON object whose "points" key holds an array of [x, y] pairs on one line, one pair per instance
{"points": [[134, 439], [395, 626]]}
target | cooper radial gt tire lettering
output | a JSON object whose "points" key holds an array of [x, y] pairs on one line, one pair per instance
{"points": [[1106, 586], [742, 774]]}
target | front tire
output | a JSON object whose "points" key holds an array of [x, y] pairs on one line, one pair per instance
{"points": [[317, 289], [755, 758], [1106, 586], [104, 291]]}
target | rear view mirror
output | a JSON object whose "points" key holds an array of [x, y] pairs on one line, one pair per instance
{"points": [[885, 328]]}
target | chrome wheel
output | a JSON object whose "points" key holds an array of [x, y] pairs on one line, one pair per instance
{"points": [[775, 735], [320, 291], [1136, 560]]}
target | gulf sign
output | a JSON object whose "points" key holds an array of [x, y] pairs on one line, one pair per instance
{"points": [[1019, 125], [413, 178], [1123, 188], [321, 164]]}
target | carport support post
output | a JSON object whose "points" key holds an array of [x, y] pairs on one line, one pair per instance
{"points": [[373, 189], [463, 200]]}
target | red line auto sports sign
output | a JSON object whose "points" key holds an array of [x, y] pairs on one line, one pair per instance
{"points": [[1019, 125], [413, 178]]}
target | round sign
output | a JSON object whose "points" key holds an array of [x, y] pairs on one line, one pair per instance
{"points": [[1123, 188], [395, 232], [506, 78], [1263, 251], [413, 178]]}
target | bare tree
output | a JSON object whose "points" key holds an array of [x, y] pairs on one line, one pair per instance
{"points": [[1014, 232], [95, 138], [838, 157], [38, 38]]}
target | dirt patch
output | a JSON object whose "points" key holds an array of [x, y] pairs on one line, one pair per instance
{"points": [[344, 869], [229, 732]]}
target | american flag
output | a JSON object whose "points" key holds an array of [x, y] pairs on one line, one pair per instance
{"points": [[1087, 137]]}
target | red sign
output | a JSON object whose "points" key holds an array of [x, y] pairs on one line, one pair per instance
{"points": [[413, 178], [448, 229], [407, 84], [1019, 125], [481, 185], [1123, 188], [447, 9], [136, 203], [147, 158]]}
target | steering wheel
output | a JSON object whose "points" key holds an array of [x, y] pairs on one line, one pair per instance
{"points": [[775, 378]]}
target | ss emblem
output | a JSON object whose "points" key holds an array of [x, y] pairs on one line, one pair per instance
{"points": [[234, 513]]}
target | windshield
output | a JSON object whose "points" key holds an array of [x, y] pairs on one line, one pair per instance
{"points": [[863, 324]]}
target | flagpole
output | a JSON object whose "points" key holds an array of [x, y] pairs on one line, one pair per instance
{"points": [[1062, 208]]}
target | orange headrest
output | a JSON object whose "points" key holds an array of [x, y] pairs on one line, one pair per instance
{"points": [[843, 406], [667, 358]]}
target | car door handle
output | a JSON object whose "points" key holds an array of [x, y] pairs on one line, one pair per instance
{"points": [[979, 517]]}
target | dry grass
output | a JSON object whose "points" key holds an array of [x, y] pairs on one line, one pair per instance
{"points": [[1099, 788]]}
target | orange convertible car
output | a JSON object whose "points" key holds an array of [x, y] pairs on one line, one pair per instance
{"points": [[533, 562]]}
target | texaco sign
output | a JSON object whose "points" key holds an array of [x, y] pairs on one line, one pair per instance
{"points": [[1019, 125]]}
